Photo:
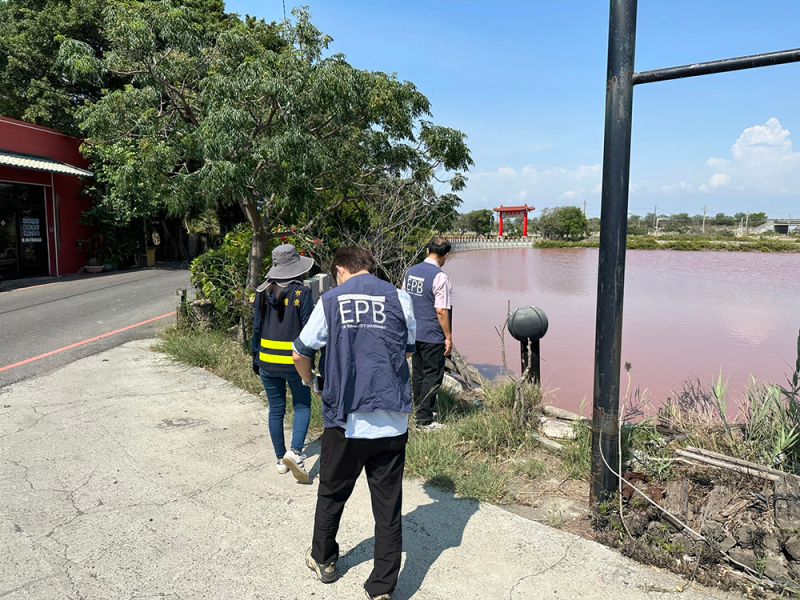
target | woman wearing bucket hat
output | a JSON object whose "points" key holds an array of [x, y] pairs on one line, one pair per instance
{"points": [[283, 306]]}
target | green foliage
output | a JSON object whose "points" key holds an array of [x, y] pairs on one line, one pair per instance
{"points": [[114, 242], [642, 242], [437, 458], [767, 430], [638, 225], [31, 77], [546, 244], [256, 115], [578, 453], [563, 223], [532, 468], [220, 276], [477, 443], [725, 220], [476, 221], [42, 40]]}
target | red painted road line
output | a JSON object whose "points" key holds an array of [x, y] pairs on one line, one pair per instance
{"points": [[27, 361]]}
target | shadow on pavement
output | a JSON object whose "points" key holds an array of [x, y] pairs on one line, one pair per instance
{"points": [[428, 531]]}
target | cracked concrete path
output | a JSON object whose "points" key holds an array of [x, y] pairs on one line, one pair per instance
{"points": [[126, 476]]}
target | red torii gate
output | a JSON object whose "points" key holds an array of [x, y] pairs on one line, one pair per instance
{"points": [[514, 211]]}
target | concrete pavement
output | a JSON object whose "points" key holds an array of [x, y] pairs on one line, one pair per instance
{"points": [[126, 476]]}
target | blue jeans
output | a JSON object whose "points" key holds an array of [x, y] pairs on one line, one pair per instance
{"points": [[275, 386]]}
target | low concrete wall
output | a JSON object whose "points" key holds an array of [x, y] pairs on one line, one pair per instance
{"points": [[462, 245]]}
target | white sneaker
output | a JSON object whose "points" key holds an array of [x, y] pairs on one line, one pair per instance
{"points": [[434, 426], [296, 465], [281, 468]]}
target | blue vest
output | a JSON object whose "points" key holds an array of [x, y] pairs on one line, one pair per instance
{"points": [[365, 361], [419, 285], [275, 327]]}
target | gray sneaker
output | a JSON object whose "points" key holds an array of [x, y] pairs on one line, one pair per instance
{"points": [[381, 597], [325, 573]]}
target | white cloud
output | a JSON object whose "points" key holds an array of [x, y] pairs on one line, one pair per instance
{"points": [[763, 162], [542, 186], [679, 188], [717, 163], [718, 180], [761, 166]]}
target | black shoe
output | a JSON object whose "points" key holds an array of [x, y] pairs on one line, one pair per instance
{"points": [[325, 573]]}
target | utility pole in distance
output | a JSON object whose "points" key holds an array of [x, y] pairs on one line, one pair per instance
{"points": [[705, 211]]}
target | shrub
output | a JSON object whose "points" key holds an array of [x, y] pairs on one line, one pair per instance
{"points": [[220, 276], [642, 242]]}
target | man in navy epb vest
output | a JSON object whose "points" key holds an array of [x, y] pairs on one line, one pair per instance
{"points": [[430, 290], [368, 329]]}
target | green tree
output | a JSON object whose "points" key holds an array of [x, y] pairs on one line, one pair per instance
{"points": [[32, 72], [477, 221], [563, 223], [256, 116], [637, 225], [722, 219]]}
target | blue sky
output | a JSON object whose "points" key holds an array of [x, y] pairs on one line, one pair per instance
{"points": [[526, 82]]}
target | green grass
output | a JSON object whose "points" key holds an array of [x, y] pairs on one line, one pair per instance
{"points": [[482, 449], [578, 454]]}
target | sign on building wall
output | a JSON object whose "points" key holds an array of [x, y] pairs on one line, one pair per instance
{"points": [[31, 230]]}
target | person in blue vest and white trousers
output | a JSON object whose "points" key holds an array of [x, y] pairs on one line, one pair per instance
{"points": [[430, 291], [368, 329], [282, 307]]}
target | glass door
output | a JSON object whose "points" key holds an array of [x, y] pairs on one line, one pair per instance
{"points": [[23, 231], [32, 230], [9, 251]]}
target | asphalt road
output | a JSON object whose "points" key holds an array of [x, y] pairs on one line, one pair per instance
{"points": [[41, 319]]}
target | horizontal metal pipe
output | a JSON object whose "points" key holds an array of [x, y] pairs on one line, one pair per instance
{"points": [[718, 66]]}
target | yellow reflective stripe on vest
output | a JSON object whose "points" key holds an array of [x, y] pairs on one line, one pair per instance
{"points": [[276, 359], [275, 345]]}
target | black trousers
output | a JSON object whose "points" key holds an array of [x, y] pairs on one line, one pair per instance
{"points": [[427, 366], [341, 462]]}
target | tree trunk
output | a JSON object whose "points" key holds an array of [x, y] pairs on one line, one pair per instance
{"points": [[256, 260], [259, 245]]}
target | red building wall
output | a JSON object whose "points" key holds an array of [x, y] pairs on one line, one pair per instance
{"points": [[65, 216]]}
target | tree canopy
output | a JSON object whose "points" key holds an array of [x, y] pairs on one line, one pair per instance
{"points": [[478, 221], [563, 223], [32, 74], [255, 114]]}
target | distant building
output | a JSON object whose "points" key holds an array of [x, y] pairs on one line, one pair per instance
{"points": [[41, 204]]}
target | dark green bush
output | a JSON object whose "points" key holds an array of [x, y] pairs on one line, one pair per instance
{"points": [[642, 242], [220, 276]]}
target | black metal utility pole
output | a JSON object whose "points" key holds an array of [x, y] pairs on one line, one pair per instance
{"points": [[613, 231], [614, 221]]}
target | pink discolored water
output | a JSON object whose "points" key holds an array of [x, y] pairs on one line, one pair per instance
{"points": [[687, 314]]}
